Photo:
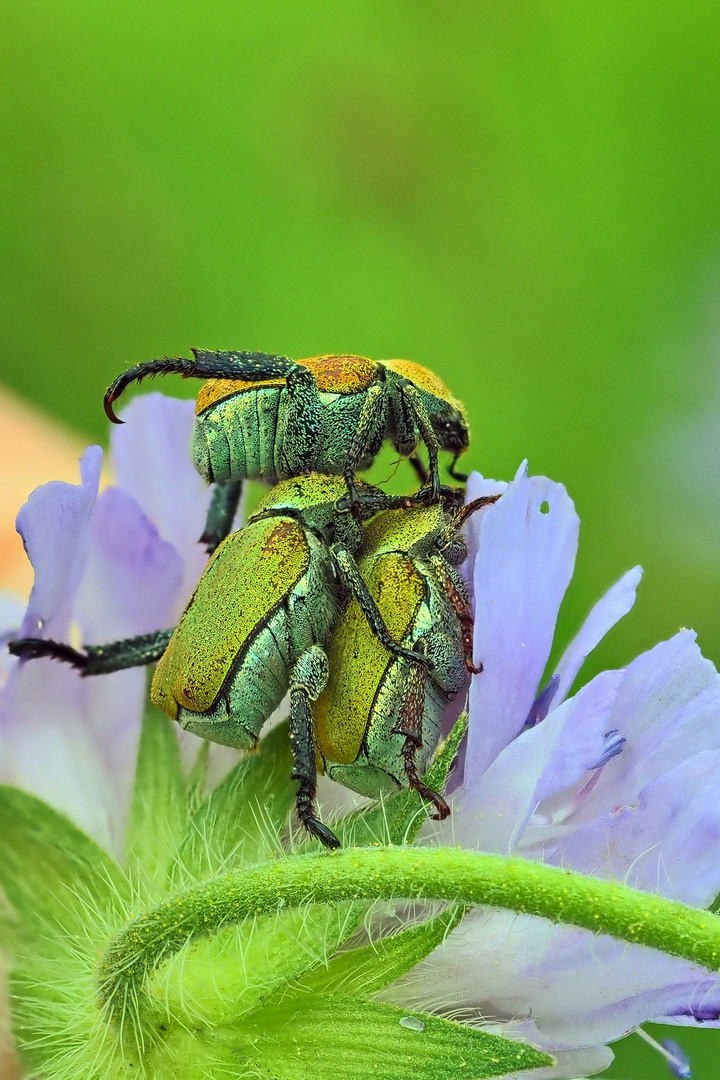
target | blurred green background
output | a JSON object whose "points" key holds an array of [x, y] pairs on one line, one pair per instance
{"points": [[521, 195]]}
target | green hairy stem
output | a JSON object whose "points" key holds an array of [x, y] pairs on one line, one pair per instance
{"points": [[471, 878]]}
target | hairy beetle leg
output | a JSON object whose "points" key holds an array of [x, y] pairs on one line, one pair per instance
{"points": [[38, 648], [452, 471], [427, 793], [221, 513], [420, 470], [308, 680], [205, 365], [97, 659], [355, 583], [410, 725]]}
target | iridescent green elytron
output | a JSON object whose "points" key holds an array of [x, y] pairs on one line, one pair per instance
{"points": [[378, 719], [267, 417]]}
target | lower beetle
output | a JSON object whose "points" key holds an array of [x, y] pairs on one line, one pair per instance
{"points": [[266, 417], [256, 625], [377, 721]]}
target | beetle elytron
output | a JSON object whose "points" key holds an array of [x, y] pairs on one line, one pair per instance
{"points": [[267, 417]]}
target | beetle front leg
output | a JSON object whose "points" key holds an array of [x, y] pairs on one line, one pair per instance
{"points": [[420, 470], [348, 571], [308, 680], [221, 513], [97, 659], [417, 409]]}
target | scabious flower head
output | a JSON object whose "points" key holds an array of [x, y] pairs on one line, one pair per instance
{"points": [[616, 780]]}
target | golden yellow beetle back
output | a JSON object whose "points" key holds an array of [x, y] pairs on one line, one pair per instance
{"points": [[358, 661], [251, 572]]}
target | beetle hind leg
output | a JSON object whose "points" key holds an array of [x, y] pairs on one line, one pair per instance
{"points": [[308, 680], [410, 725], [96, 659]]}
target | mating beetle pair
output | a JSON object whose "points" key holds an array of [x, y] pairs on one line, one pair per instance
{"points": [[263, 611], [267, 417], [260, 619]]}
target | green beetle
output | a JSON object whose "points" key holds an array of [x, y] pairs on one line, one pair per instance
{"points": [[378, 719], [268, 417], [255, 626]]}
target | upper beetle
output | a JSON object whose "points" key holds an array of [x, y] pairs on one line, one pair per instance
{"points": [[255, 627], [377, 721], [267, 417]]}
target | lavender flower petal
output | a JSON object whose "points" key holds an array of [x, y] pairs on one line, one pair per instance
{"points": [[131, 578], [53, 524], [48, 747], [543, 760], [525, 558], [151, 451], [668, 841], [111, 708], [579, 989], [476, 488], [12, 610], [616, 603], [668, 708]]}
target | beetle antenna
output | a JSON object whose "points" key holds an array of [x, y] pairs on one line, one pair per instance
{"points": [[469, 509], [252, 366]]}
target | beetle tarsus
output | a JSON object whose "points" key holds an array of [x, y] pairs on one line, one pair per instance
{"points": [[414, 781], [305, 808], [97, 659]]}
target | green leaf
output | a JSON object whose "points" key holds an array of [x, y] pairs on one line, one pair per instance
{"points": [[367, 970], [323, 1038], [51, 872], [158, 815], [398, 819], [241, 819]]}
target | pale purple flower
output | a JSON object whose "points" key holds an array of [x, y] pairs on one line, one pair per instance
{"points": [[620, 780], [107, 566]]}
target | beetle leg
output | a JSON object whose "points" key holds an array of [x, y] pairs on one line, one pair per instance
{"points": [[365, 439], [460, 604], [303, 425], [221, 513], [308, 679], [97, 659], [420, 470], [415, 408], [461, 476], [252, 366], [348, 571], [410, 725]]}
